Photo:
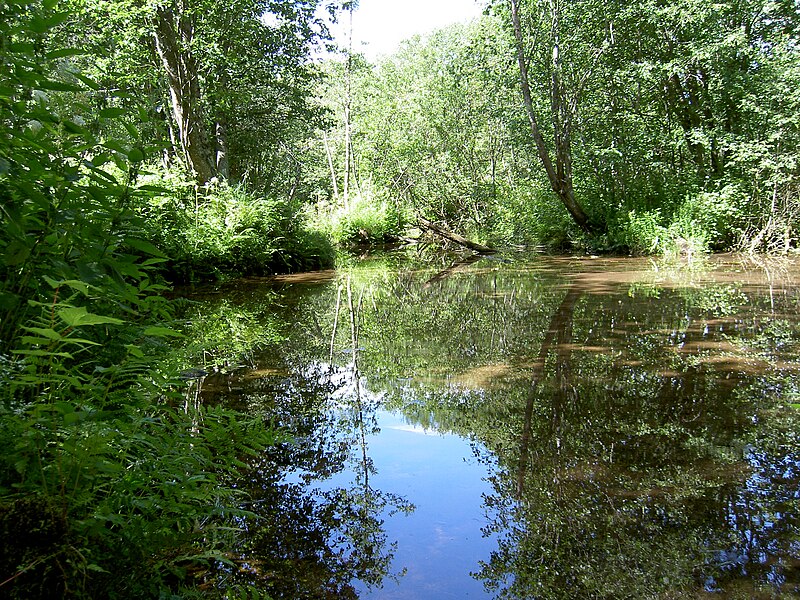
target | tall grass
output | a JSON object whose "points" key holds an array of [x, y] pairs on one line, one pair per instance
{"points": [[367, 219]]}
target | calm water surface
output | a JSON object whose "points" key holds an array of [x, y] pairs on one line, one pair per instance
{"points": [[529, 427]]}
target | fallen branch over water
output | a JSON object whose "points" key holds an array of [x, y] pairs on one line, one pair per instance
{"points": [[442, 231]]}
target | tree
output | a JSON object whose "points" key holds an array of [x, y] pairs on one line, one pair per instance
{"points": [[235, 75], [173, 33], [445, 150], [564, 93]]}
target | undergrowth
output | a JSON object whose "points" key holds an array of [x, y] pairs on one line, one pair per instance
{"points": [[222, 231], [113, 482]]}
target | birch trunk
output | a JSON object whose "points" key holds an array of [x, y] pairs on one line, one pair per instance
{"points": [[560, 173], [173, 34]]}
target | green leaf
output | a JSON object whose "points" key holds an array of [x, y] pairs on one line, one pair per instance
{"points": [[162, 332], [16, 254], [21, 47], [57, 86], [64, 407], [91, 83], [133, 132], [50, 334], [135, 155], [8, 300], [154, 261], [114, 145], [134, 351], [75, 284], [112, 113], [78, 316], [96, 568], [42, 353], [64, 52], [73, 127], [29, 340], [105, 466], [144, 246], [43, 25], [74, 417], [101, 159]]}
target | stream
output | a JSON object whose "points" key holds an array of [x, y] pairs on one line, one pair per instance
{"points": [[521, 427]]}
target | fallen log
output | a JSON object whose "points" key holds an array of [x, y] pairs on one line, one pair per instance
{"points": [[442, 231]]}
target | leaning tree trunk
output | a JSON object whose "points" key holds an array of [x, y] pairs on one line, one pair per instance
{"points": [[173, 33], [560, 174]]}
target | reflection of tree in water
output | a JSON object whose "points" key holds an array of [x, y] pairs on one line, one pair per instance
{"points": [[623, 466], [631, 461], [603, 501], [305, 539]]}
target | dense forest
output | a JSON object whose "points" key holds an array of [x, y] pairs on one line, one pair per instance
{"points": [[147, 144]]}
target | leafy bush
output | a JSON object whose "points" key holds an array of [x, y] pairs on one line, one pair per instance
{"points": [[714, 216], [642, 233], [112, 484], [529, 215], [222, 230]]}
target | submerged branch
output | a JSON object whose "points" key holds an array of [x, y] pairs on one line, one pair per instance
{"points": [[457, 266]]}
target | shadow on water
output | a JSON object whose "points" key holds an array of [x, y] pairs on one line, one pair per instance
{"points": [[614, 428]]}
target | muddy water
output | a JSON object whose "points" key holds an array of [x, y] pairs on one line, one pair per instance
{"points": [[528, 427]]}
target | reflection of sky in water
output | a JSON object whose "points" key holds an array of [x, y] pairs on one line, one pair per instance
{"points": [[440, 543]]}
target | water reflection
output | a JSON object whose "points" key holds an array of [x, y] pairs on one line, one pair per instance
{"points": [[631, 421], [306, 540]]}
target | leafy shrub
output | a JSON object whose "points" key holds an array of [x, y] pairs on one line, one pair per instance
{"points": [[714, 216], [223, 230], [112, 484], [642, 233]]}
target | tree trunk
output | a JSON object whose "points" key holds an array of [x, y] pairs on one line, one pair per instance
{"points": [[560, 174], [222, 162], [329, 154], [557, 337], [173, 33]]}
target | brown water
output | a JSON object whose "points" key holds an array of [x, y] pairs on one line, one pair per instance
{"points": [[530, 427]]}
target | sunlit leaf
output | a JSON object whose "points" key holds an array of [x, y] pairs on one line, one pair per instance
{"points": [[144, 246], [50, 334], [134, 351], [78, 316], [64, 52], [111, 113], [135, 155]]}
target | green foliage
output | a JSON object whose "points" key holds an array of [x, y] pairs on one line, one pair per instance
{"points": [[112, 482], [686, 113], [714, 215], [643, 233], [223, 230], [704, 221], [367, 219], [222, 337]]}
